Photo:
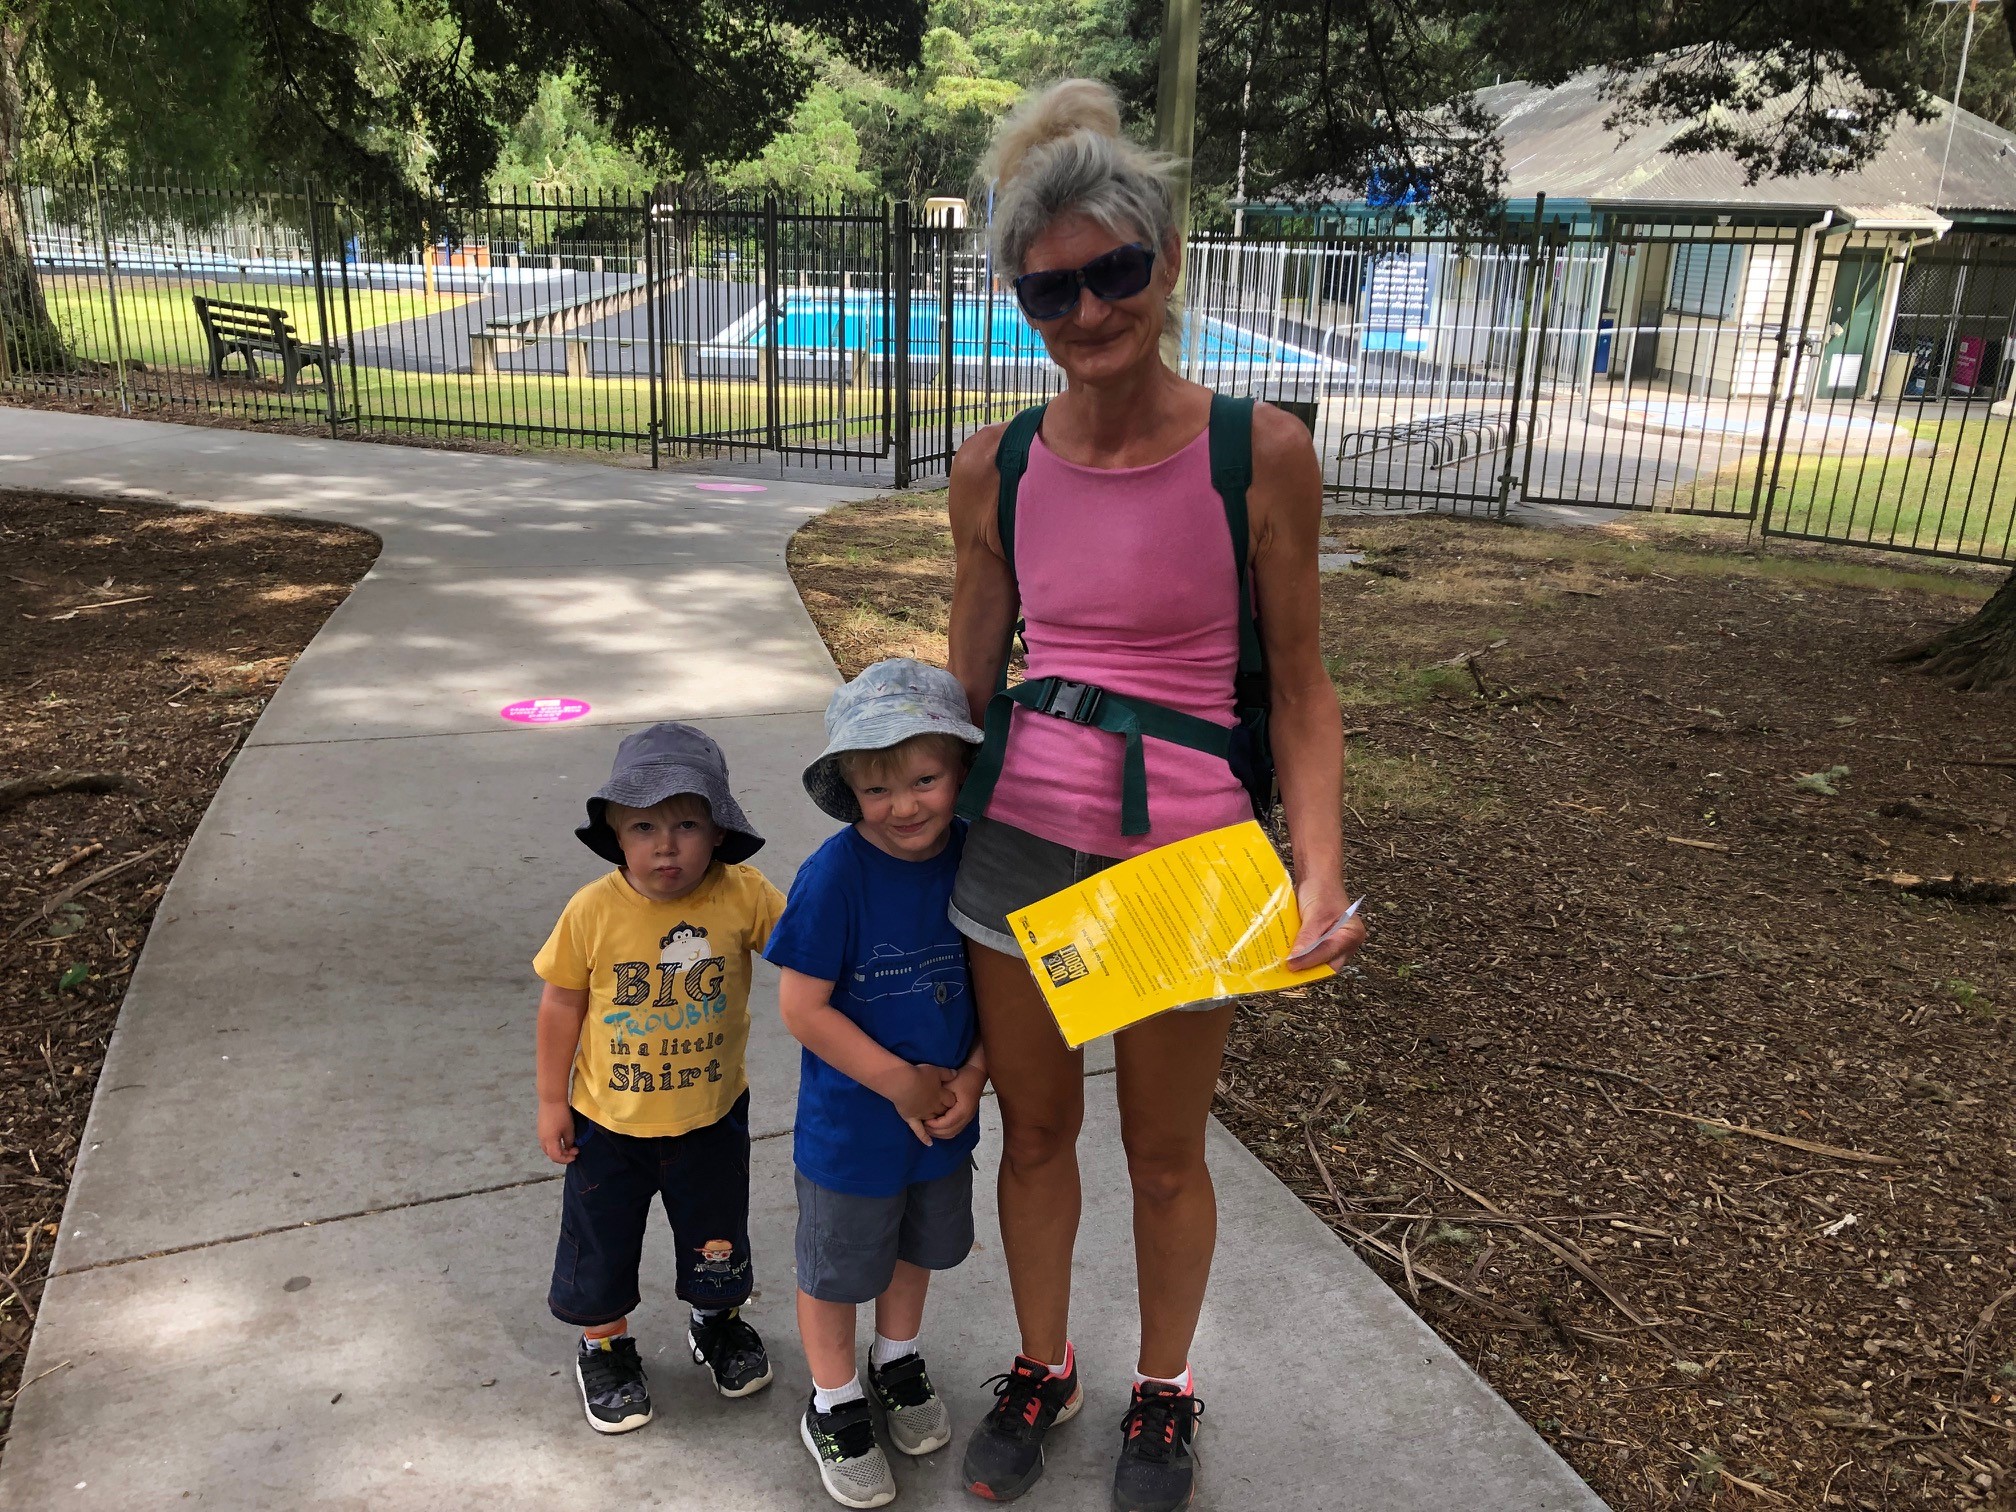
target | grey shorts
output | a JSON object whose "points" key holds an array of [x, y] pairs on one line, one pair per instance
{"points": [[848, 1245], [1003, 869]]}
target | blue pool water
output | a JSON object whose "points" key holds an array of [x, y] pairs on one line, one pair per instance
{"points": [[819, 320]]}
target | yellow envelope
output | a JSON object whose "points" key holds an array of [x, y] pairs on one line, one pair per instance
{"points": [[1208, 917]]}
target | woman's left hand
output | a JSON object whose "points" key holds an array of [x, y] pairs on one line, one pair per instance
{"points": [[1322, 941]]}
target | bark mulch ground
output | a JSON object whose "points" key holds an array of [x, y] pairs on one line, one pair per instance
{"points": [[141, 641], [1674, 1088]]}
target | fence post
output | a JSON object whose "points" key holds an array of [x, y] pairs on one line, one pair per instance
{"points": [[1777, 373], [1519, 353], [947, 351], [1551, 248], [349, 327], [1785, 413], [654, 360], [772, 314], [329, 379], [111, 289], [899, 273]]}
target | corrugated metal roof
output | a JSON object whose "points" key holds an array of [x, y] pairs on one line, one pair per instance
{"points": [[1555, 143]]}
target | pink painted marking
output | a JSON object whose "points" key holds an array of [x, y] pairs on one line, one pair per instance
{"points": [[731, 487], [543, 710]]}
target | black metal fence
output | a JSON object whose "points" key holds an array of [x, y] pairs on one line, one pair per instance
{"points": [[1828, 383]]}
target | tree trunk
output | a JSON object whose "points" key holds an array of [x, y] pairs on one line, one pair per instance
{"points": [[1978, 655], [29, 339]]}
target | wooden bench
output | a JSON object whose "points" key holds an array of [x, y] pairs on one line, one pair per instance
{"points": [[248, 329]]}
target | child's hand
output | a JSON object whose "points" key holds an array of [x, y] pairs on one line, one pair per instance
{"points": [[556, 1133], [966, 1085], [921, 1093]]}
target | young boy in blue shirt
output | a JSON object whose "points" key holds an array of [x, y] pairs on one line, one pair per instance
{"points": [[874, 986]]}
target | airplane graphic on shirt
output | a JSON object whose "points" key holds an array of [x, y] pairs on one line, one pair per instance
{"points": [[939, 970]]}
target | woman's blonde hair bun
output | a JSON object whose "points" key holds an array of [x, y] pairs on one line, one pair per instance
{"points": [[1047, 116], [1061, 151]]}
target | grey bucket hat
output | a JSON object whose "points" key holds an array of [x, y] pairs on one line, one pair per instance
{"points": [[885, 706], [663, 762]]}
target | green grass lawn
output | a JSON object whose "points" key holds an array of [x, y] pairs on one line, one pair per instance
{"points": [[1956, 497], [157, 318]]}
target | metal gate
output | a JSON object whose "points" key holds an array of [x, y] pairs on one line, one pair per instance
{"points": [[778, 329]]}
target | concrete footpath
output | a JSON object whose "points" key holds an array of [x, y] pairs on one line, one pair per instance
{"points": [[304, 1260]]}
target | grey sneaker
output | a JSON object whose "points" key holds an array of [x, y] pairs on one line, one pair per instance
{"points": [[918, 1421], [852, 1466]]}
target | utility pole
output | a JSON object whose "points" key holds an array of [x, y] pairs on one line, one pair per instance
{"points": [[1175, 133], [1953, 109]]}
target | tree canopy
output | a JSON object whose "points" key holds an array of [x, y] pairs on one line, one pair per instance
{"points": [[394, 97]]}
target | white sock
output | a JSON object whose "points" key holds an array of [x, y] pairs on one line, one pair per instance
{"points": [[1064, 1367], [1182, 1383], [888, 1351], [606, 1341], [708, 1315], [825, 1401]]}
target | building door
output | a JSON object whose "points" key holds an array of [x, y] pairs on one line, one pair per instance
{"points": [[1850, 351]]}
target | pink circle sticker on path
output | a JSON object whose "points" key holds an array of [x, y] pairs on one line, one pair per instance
{"points": [[543, 710], [731, 487]]}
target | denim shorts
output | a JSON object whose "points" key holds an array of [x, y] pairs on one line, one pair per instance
{"points": [[1004, 869], [848, 1245], [701, 1177]]}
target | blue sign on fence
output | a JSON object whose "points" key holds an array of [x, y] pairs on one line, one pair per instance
{"points": [[1397, 303]]}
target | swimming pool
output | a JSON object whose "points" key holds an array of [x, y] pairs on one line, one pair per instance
{"points": [[989, 330]]}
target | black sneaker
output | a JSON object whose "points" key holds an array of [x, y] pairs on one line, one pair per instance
{"points": [[852, 1466], [918, 1420], [732, 1350], [613, 1393], [1004, 1457], [1158, 1450]]}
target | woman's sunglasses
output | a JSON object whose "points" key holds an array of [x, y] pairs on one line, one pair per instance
{"points": [[1053, 293]]}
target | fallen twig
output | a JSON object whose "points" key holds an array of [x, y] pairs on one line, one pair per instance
{"points": [[1953, 889], [1980, 1325], [1707, 845], [83, 853], [15, 1395], [1567, 1253], [105, 873], [1810, 1146], [1510, 1317], [1624, 1076], [21, 789]]}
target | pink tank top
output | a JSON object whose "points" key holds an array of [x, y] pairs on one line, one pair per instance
{"points": [[1127, 582]]}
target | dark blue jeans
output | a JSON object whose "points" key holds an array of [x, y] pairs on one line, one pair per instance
{"points": [[701, 1176]]}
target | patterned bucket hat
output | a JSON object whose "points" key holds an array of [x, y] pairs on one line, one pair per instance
{"points": [[883, 707]]}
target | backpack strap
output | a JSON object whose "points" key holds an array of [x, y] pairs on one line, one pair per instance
{"points": [[1011, 460], [1232, 475]]}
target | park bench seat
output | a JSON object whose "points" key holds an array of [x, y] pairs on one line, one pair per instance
{"points": [[247, 330]]}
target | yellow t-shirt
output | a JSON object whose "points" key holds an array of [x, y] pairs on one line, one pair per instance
{"points": [[668, 996]]}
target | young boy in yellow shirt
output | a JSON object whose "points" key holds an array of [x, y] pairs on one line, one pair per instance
{"points": [[642, 1026]]}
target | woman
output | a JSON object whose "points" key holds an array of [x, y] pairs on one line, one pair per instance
{"points": [[1122, 567]]}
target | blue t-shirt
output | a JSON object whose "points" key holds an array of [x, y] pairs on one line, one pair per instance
{"points": [[878, 929]]}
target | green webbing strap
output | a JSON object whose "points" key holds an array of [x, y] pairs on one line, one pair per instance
{"points": [[1231, 475], [1129, 718], [1011, 460]]}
